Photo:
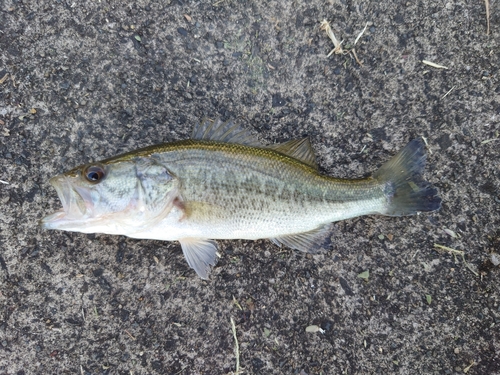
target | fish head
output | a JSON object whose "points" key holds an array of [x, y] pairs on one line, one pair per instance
{"points": [[116, 196]]}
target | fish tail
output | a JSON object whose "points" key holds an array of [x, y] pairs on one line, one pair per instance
{"points": [[406, 191]]}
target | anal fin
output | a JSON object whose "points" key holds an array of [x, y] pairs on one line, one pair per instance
{"points": [[308, 242], [200, 254]]}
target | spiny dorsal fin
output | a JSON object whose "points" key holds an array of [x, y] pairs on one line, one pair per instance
{"points": [[308, 242], [300, 149], [220, 131]]}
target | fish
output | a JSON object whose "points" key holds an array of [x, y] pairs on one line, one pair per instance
{"points": [[224, 184]]}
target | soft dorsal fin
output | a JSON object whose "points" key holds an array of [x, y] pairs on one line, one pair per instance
{"points": [[220, 131], [300, 149], [308, 242]]}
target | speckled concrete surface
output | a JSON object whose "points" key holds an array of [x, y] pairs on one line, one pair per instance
{"points": [[85, 80]]}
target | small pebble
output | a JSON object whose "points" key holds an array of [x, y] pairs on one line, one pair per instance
{"points": [[495, 259], [182, 31]]}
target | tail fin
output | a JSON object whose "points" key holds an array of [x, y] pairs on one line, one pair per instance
{"points": [[407, 192]]}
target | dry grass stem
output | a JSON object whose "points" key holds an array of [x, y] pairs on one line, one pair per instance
{"points": [[482, 142], [353, 51], [466, 370], [361, 34], [449, 249], [4, 78], [237, 304], [456, 252], [325, 25], [427, 145], [434, 65], [445, 95], [128, 333], [487, 6], [236, 347]]}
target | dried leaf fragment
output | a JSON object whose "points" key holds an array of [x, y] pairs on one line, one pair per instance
{"points": [[494, 257], [364, 275], [314, 329], [450, 233]]}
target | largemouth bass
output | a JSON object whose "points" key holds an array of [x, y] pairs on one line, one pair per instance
{"points": [[224, 184]]}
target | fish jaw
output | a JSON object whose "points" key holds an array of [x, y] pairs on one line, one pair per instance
{"points": [[76, 205], [54, 220]]}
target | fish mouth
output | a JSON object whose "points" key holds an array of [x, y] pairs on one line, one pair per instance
{"points": [[74, 200]]}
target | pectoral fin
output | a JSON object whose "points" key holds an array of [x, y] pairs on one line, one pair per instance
{"points": [[308, 242], [200, 254]]}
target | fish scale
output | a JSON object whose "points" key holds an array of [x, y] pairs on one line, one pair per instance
{"points": [[302, 199]]}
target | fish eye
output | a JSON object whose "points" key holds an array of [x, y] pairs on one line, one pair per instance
{"points": [[94, 173]]}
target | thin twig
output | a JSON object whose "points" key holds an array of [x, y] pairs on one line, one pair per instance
{"points": [[128, 333]]}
